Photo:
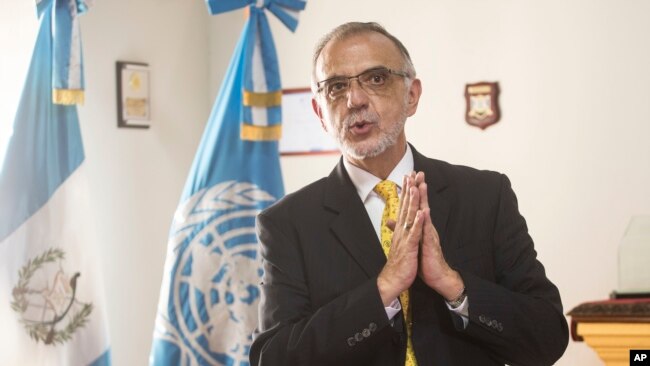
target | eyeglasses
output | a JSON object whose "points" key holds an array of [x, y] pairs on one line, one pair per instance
{"points": [[372, 80]]}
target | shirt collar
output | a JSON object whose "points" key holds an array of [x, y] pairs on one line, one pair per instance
{"points": [[364, 181]]}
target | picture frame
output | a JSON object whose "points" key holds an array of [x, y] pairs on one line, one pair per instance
{"points": [[133, 99], [302, 133]]}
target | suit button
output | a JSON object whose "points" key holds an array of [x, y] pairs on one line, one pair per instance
{"points": [[373, 327], [366, 333], [351, 342], [358, 337]]}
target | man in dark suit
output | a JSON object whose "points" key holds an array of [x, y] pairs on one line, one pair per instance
{"points": [[456, 280]]}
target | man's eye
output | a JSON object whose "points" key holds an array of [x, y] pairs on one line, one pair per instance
{"points": [[376, 78], [337, 86]]}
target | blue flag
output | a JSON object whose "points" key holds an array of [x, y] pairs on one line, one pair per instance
{"points": [[51, 299], [208, 303]]}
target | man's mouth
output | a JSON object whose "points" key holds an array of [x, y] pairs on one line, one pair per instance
{"points": [[361, 127]]}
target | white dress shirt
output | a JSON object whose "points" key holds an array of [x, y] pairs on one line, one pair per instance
{"points": [[365, 182]]}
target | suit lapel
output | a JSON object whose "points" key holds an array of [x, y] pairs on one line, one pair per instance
{"points": [[437, 191], [351, 226]]}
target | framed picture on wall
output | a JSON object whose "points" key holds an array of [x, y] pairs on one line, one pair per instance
{"points": [[133, 101], [302, 133]]}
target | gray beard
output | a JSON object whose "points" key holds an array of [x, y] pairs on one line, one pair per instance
{"points": [[359, 151]]}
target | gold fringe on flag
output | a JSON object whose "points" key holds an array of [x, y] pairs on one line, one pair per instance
{"points": [[260, 133], [68, 96], [270, 99]]}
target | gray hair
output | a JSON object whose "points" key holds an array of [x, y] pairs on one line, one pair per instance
{"points": [[353, 28]]}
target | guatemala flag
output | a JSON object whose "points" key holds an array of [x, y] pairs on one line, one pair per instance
{"points": [[51, 298], [209, 294]]}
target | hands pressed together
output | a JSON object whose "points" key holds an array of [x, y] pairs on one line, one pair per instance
{"points": [[415, 248]]}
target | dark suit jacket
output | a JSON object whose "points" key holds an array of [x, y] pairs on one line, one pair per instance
{"points": [[321, 306]]}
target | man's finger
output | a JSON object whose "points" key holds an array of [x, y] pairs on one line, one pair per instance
{"points": [[419, 178], [403, 199], [415, 233], [412, 208], [424, 197], [430, 231]]}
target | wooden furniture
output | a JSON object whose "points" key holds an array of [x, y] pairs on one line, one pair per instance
{"points": [[613, 327]]}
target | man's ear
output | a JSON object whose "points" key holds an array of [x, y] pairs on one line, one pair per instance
{"points": [[414, 93], [319, 113]]}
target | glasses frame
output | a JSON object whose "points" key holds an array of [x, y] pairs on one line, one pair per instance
{"points": [[321, 87]]}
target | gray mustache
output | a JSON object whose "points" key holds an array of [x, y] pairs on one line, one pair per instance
{"points": [[360, 116]]}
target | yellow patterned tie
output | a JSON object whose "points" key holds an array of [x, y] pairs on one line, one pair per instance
{"points": [[388, 191]]}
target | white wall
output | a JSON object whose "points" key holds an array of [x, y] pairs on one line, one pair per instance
{"points": [[573, 136], [136, 176]]}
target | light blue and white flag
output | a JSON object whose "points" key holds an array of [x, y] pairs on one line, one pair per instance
{"points": [[209, 295], [51, 297], [261, 114]]}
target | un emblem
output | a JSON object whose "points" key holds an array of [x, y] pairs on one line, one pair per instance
{"points": [[210, 311]]}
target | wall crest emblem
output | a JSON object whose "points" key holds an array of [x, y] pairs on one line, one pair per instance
{"points": [[482, 101]]}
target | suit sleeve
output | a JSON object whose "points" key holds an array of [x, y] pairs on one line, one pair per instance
{"points": [[519, 318], [294, 331]]}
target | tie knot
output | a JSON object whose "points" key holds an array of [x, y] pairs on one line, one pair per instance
{"points": [[387, 190]]}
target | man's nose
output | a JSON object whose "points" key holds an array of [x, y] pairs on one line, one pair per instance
{"points": [[357, 96]]}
